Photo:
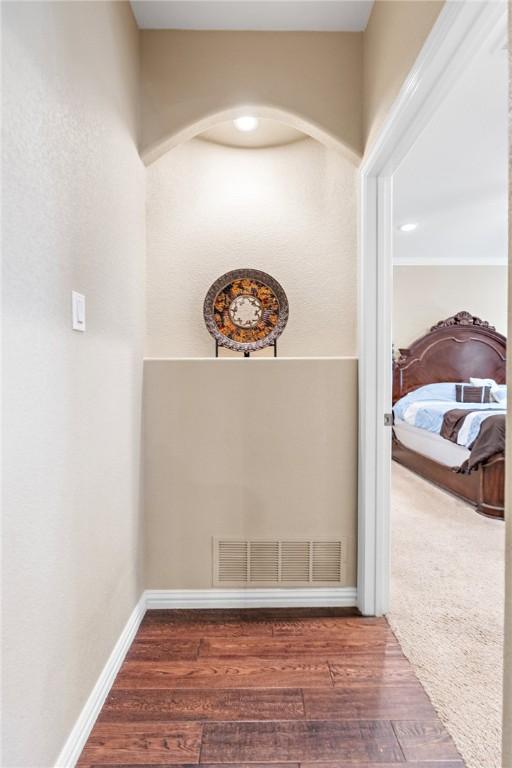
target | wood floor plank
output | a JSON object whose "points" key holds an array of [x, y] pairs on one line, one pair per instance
{"points": [[383, 671], [422, 764], [299, 741], [203, 629], [370, 703], [165, 705], [238, 765], [425, 741], [253, 614], [279, 647], [235, 623], [163, 649], [147, 744], [222, 674], [166, 616], [330, 625], [280, 614]]}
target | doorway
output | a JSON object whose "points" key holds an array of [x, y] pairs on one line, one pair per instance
{"points": [[461, 31], [390, 581]]}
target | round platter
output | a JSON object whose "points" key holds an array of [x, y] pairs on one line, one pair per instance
{"points": [[245, 310]]}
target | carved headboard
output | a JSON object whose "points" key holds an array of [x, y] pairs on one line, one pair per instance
{"points": [[455, 349]]}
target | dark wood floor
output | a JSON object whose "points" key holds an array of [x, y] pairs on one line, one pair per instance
{"points": [[315, 687]]}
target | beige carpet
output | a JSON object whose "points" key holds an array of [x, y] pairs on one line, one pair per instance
{"points": [[447, 597]]}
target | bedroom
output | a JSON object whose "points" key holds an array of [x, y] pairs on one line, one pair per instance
{"points": [[449, 329]]}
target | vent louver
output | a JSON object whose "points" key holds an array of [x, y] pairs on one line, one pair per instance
{"points": [[326, 561], [295, 560], [232, 561], [270, 562], [263, 561]]}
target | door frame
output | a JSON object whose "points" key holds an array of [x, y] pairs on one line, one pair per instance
{"points": [[461, 30]]}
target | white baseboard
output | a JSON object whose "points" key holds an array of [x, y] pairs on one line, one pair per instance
{"points": [[189, 598], [83, 726], [251, 598]]}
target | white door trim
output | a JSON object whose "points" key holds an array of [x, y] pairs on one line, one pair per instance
{"points": [[460, 31]]}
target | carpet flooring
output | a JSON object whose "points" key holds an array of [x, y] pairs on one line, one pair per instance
{"points": [[447, 595]]}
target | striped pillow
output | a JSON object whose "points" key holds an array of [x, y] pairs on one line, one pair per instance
{"points": [[467, 393]]}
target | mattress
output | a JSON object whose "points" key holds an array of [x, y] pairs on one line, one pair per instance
{"points": [[430, 444]]}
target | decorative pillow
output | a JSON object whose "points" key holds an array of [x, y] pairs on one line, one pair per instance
{"points": [[467, 393], [482, 382], [499, 394]]}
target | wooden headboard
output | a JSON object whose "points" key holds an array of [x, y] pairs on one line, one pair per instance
{"points": [[455, 349]]}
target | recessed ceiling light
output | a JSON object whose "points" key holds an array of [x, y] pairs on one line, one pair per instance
{"points": [[246, 123], [408, 227]]}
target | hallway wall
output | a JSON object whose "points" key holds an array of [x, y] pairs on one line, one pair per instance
{"points": [[258, 448], [73, 218], [288, 210], [392, 40]]}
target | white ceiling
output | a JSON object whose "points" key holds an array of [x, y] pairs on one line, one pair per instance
{"points": [[453, 183], [258, 15]]}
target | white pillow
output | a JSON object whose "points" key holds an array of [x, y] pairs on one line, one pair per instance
{"points": [[499, 394], [482, 382]]}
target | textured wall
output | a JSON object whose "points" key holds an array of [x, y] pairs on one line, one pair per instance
{"points": [[73, 218], [276, 445], [187, 76], [396, 32], [290, 211], [423, 295]]}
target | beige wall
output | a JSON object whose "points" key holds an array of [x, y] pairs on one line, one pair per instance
{"points": [[73, 218], [396, 32], [187, 76], [289, 210], [276, 445], [423, 295]]}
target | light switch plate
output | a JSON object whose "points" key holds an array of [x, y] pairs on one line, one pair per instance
{"points": [[78, 311]]}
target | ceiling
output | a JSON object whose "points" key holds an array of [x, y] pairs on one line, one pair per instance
{"points": [[269, 133], [453, 183], [257, 15]]}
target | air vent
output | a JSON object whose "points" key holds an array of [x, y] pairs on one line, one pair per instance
{"points": [[263, 561], [270, 562], [295, 560], [326, 561], [232, 561]]}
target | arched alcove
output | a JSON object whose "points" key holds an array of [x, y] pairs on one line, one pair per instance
{"points": [[189, 76], [249, 449], [329, 140], [287, 209]]}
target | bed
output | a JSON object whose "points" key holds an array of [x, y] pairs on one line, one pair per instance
{"points": [[457, 349]]}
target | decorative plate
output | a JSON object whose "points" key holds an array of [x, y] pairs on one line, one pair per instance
{"points": [[245, 310]]}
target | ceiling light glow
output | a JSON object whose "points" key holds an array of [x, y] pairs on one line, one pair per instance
{"points": [[408, 227], [246, 123]]}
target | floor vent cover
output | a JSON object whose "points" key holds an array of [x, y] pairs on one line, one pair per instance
{"points": [[269, 562]]}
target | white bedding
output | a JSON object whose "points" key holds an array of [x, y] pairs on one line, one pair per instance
{"points": [[429, 444], [425, 408]]}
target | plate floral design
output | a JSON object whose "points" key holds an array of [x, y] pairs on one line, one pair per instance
{"points": [[245, 310]]}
